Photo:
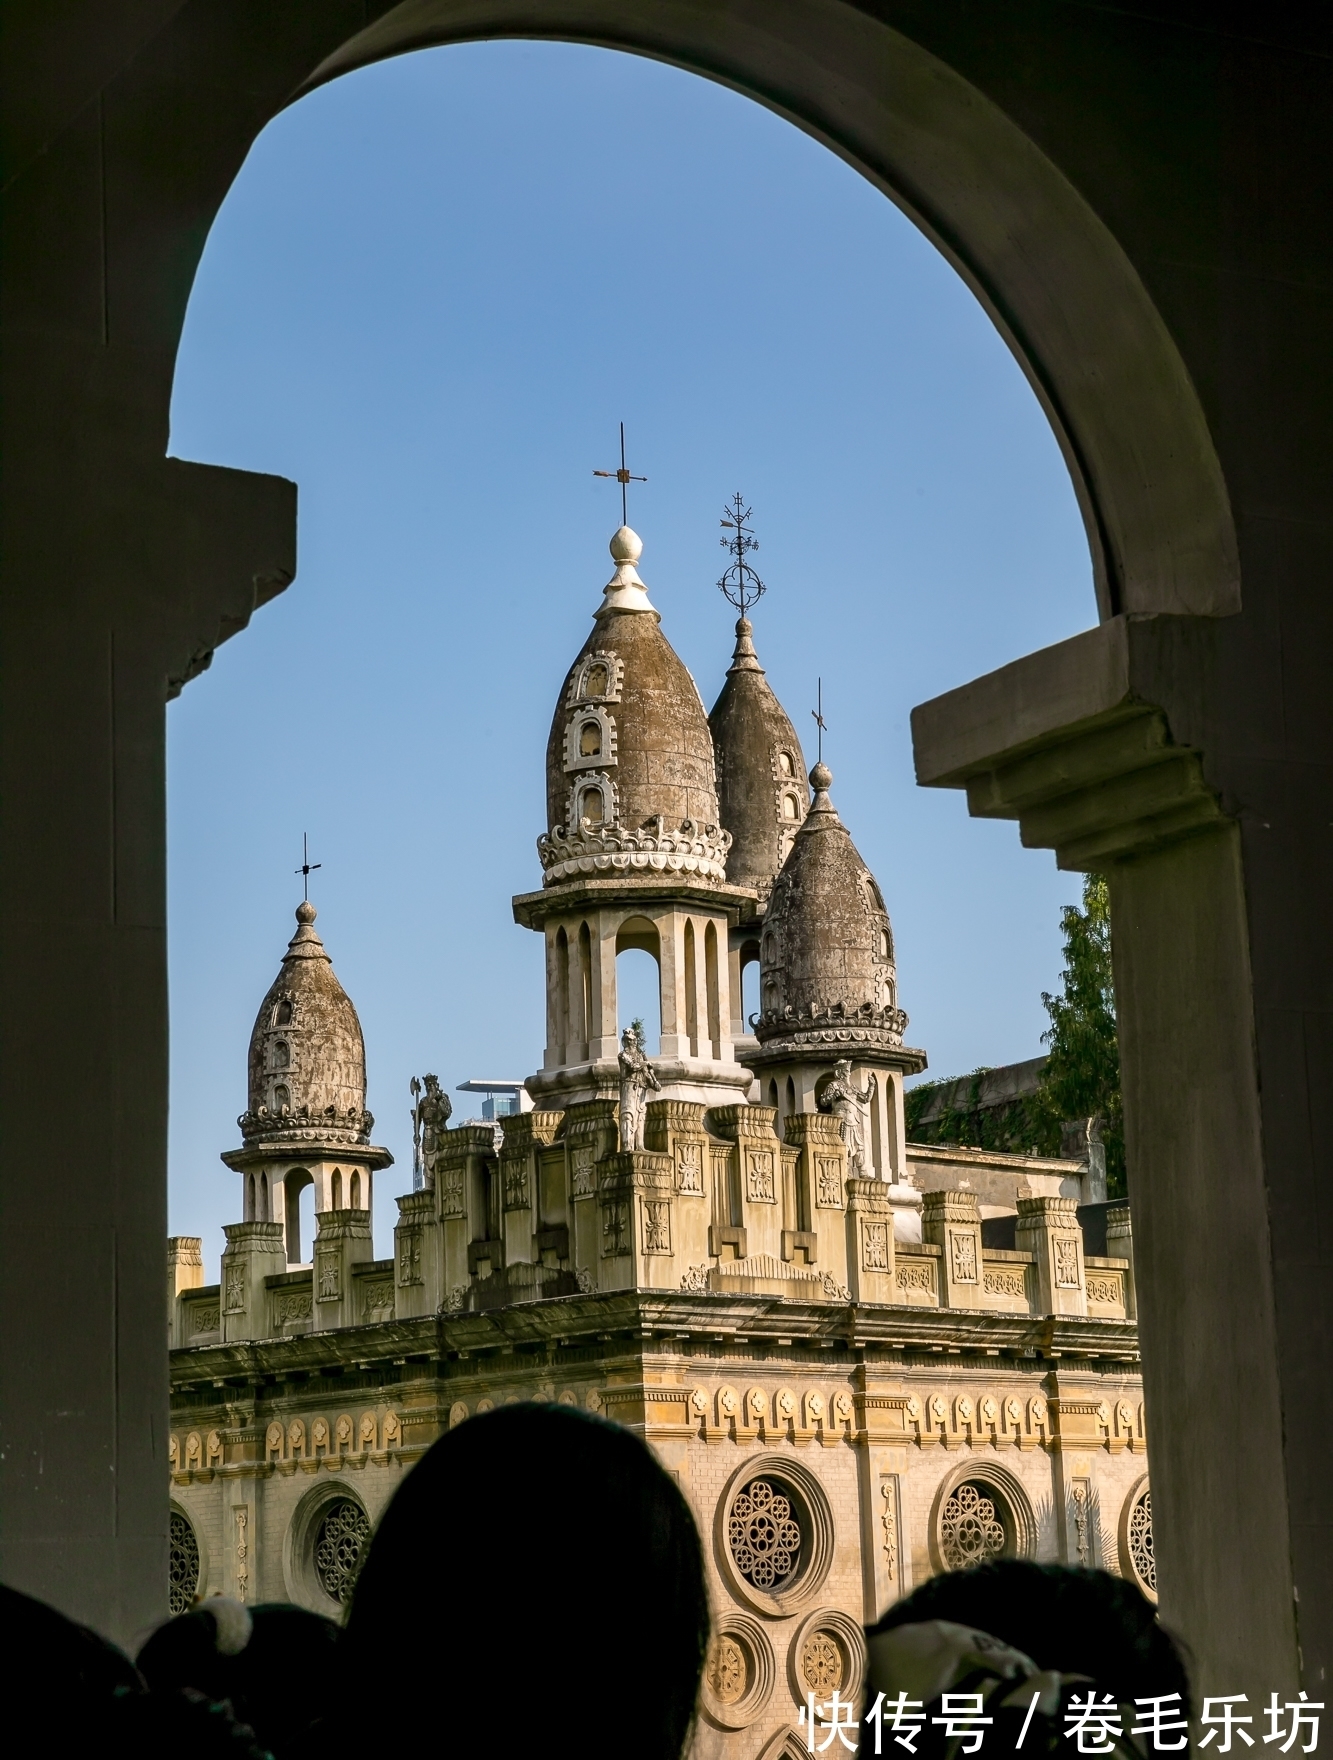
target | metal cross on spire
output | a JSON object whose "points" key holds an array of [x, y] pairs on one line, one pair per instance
{"points": [[820, 723], [741, 585], [624, 478], [307, 867]]}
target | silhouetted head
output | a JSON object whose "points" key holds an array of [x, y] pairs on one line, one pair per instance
{"points": [[538, 1571], [275, 1664], [1071, 1621]]}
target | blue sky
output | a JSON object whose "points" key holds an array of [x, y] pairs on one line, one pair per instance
{"points": [[432, 293]]}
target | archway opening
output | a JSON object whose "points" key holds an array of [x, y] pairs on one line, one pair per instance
{"points": [[299, 1221], [639, 981]]}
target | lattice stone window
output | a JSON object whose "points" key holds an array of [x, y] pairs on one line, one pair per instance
{"points": [[973, 1526], [182, 1565], [768, 1533], [339, 1542], [1138, 1541]]}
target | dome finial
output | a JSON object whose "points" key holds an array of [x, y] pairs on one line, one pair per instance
{"points": [[821, 780], [625, 591], [305, 912]]}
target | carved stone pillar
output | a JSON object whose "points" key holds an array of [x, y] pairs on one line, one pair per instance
{"points": [[254, 1251], [951, 1221], [1120, 1245], [418, 1256], [342, 1241], [635, 1192], [869, 1241], [1048, 1227]]}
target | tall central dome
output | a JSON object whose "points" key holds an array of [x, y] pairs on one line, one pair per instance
{"points": [[630, 783]]}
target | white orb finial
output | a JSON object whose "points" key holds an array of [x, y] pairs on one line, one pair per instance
{"points": [[626, 546]]}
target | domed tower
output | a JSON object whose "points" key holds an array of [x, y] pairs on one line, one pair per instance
{"points": [[763, 794], [306, 1121], [829, 993], [762, 788], [633, 856]]}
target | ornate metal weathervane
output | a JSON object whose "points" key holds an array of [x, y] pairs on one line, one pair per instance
{"points": [[624, 478], [741, 585]]}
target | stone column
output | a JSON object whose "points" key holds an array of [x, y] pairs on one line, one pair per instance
{"points": [[1049, 1228], [254, 1251]]}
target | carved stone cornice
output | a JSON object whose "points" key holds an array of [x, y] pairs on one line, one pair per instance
{"points": [[308, 1141]]}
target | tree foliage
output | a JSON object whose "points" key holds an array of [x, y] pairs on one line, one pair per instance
{"points": [[1081, 1078], [1082, 1074]]}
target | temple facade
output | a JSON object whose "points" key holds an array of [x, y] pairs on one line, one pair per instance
{"points": [[864, 1360]]}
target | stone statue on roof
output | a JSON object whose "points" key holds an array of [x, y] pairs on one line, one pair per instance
{"points": [[431, 1110], [840, 1097], [637, 1076]]}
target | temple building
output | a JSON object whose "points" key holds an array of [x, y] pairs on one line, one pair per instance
{"points": [[865, 1360]]}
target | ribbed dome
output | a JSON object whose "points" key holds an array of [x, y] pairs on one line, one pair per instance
{"points": [[762, 787], [629, 764], [826, 956], [307, 1054]]}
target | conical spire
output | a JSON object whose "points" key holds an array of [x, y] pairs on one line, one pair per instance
{"points": [[761, 780]]}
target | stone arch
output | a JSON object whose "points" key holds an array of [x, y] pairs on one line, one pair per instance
{"points": [[295, 1181], [1049, 271]]}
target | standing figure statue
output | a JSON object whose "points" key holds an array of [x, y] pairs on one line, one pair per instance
{"points": [[637, 1075], [848, 1107], [430, 1115]]}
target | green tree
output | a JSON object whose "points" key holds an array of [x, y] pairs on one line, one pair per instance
{"points": [[1082, 1074]]}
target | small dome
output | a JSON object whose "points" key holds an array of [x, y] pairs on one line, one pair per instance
{"points": [[629, 763], [762, 790], [826, 956], [307, 1054]]}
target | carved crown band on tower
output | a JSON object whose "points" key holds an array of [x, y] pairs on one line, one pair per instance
{"points": [[835, 1025], [352, 1124], [693, 849]]}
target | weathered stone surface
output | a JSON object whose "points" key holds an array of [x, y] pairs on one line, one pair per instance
{"points": [[762, 788], [629, 761], [827, 950], [307, 1054]]}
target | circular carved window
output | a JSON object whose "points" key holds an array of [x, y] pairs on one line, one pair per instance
{"points": [[339, 1542], [766, 1534], [973, 1526], [827, 1655], [739, 1674], [823, 1666], [1138, 1542], [182, 1565]]}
